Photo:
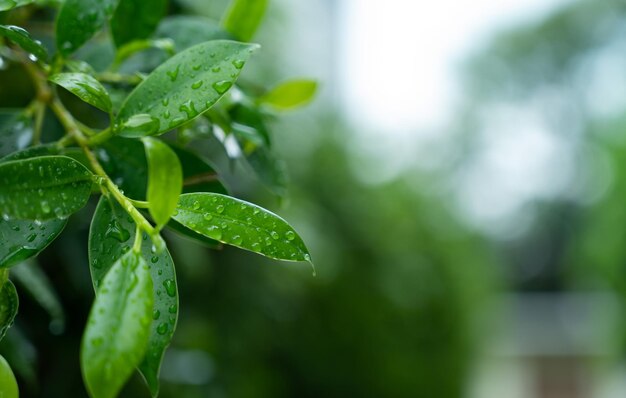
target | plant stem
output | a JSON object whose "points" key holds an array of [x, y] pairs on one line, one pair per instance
{"points": [[74, 131]]}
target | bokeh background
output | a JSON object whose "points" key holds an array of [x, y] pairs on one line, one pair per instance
{"points": [[460, 180]]}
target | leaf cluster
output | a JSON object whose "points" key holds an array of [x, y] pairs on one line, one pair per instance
{"points": [[172, 82]]}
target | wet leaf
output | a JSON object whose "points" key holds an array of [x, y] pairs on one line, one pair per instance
{"points": [[116, 337], [23, 239], [109, 237], [290, 94], [85, 87], [242, 224], [22, 38], [136, 19], [165, 180], [186, 85], [79, 20], [43, 188], [243, 17], [9, 304]]}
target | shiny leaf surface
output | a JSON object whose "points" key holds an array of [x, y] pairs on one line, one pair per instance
{"points": [[185, 85], [242, 224], [109, 237], [165, 180], [85, 87], [116, 337], [43, 188]]}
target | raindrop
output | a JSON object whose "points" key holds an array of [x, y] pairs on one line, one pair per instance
{"points": [[197, 85], [162, 328], [170, 287], [208, 217], [196, 205], [116, 231], [222, 86], [173, 74], [238, 63], [219, 209], [156, 314], [274, 235], [290, 235]]}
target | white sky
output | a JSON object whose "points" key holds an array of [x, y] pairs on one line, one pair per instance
{"points": [[398, 57]]}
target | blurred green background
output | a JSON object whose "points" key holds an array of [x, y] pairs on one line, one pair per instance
{"points": [[480, 256]]}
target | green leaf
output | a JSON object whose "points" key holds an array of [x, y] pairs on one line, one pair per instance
{"points": [[8, 384], [84, 87], [186, 85], [165, 180], [116, 337], [8, 306], [22, 38], [290, 94], [79, 20], [110, 229], [43, 188], [136, 19], [23, 239], [9, 4], [242, 224], [16, 131], [38, 285], [243, 17]]}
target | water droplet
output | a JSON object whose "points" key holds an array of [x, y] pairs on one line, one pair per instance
{"points": [[172, 309], [189, 108], [208, 217], [173, 74], [197, 85], [156, 314], [274, 235], [237, 240], [165, 101], [162, 328], [140, 125], [31, 237], [196, 67], [196, 205], [116, 231], [219, 208], [238, 63], [256, 247], [154, 259], [290, 235], [45, 207], [216, 69], [170, 287], [222, 86]]}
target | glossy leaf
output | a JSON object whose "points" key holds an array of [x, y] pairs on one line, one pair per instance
{"points": [[136, 19], [109, 237], [186, 85], [242, 224], [165, 180], [290, 94], [79, 20], [23, 239], [8, 384], [23, 39], [85, 87], [43, 188], [9, 304], [16, 132], [10, 4], [116, 337], [32, 279], [243, 17]]}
